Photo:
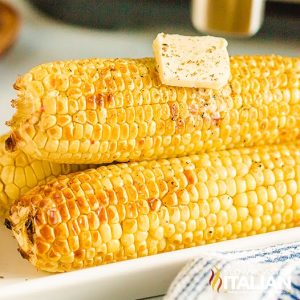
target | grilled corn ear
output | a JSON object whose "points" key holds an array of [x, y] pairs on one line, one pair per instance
{"points": [[125, 211], [105, 110], [19, 173]]}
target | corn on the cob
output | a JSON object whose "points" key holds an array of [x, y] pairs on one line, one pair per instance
{"points": [[19, 173], [125, 211], [104, 110]]}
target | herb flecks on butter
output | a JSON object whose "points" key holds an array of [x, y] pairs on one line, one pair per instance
{"points": [[190, 61]]}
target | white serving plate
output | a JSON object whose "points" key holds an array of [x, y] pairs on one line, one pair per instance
{"points": [[134, 279]]}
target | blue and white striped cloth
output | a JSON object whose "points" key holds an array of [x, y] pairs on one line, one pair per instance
{"points": [[264, 274]]}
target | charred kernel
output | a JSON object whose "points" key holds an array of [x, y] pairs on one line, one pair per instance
{"points": [[154, 204], [191, 176], [8, 224], [10, 144]]}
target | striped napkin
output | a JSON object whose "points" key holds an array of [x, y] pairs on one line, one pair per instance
{"points": [[265, 274]]}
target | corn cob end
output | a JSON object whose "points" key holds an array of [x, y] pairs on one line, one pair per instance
{"points": [[22, 226]]}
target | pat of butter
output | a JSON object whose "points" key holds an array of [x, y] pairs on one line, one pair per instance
{"points": [[192, 61]]}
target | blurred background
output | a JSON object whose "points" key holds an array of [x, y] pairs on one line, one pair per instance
{"points": [[38, 31]]}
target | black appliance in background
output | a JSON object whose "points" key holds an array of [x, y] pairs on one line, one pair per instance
{"points": [[111, 14]]}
